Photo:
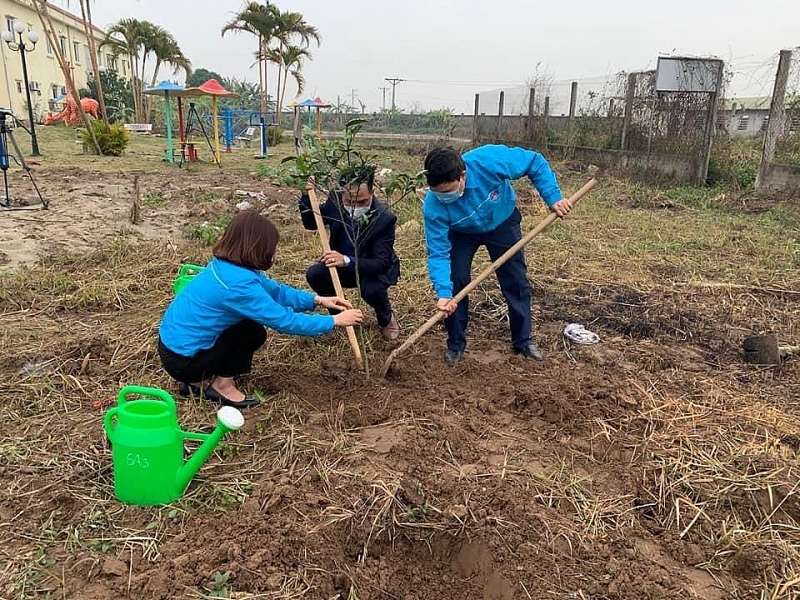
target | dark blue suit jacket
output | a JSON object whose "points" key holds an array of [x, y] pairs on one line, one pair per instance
{"points": [[375, 236]]}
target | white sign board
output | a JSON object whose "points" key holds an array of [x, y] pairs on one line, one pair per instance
{"points": [[687, 74]]}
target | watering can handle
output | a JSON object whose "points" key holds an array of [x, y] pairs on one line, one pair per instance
{"points": [[135, 390], [187, 268], [107, 422]]}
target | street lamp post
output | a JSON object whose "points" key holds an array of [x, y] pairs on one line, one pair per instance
{"points": [[22, 48]]}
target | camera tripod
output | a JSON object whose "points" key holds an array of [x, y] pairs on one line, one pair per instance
{"points": [[6, 136], [191, 120]]}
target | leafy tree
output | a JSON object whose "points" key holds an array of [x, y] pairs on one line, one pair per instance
{"points": [[200, 76], [340, 164]]}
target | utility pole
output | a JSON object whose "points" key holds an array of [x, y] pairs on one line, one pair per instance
{"points": [[394, 81], [382, 89]]}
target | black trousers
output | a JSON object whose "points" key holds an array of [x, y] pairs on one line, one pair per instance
{"points": [[231, 355], [374, 292]]}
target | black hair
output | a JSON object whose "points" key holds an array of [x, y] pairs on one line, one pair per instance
{"points": [[357, 176], [443, 165]]}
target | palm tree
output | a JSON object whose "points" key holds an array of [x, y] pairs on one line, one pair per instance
{"points": [[290, 62], [260, 20], [291, 26], [272, 26], [167, 52], [127, 36]]}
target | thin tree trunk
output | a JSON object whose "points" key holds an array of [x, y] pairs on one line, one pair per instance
{"points": [[140, 88], [261, 84], [86, 13], [278, 96], [49, 31], [285, 79], [150, 99], [134, 75]]}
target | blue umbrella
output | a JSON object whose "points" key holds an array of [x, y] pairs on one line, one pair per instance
{"points": [[166, 87]]}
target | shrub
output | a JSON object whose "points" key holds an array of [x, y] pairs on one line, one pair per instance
{"points": [[274, 135], [112, 139]]}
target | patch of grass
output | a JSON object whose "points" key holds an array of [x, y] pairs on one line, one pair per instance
{"points": [[153, 198], [207, 233], [708, 199], [276, 174]]}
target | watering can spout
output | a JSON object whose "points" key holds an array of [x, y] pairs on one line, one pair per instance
{"points": [[228, 419]]}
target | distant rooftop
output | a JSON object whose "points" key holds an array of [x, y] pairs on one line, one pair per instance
{"points": [[749, 103]]}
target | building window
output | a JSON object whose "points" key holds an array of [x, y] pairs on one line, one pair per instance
{"points": [[10, 23], [765, 123], [111, 61], [19, 86], [54, 91], [62, 41], [742, 124], [76, 52], [124, 74], [49, 46]]}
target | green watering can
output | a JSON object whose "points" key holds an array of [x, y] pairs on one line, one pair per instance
{"points": [[147, 446], [185, 276]]}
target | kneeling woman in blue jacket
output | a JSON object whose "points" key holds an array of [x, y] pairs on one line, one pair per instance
{"points": [[215, 324]]}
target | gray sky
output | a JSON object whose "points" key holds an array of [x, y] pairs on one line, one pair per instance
{"points": [[449, 50]]}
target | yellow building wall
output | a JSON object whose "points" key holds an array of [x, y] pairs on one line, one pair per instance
{"points": [[44, 74]]}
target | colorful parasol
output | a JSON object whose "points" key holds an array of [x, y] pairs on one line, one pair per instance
{"points": [[167, 87]]}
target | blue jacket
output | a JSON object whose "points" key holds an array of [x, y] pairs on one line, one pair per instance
{"points": [[223, 294], [375, 237], [488, 200]]}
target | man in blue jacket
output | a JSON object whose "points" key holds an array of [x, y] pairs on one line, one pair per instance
{"points": [[471, 203], [357, 220]]}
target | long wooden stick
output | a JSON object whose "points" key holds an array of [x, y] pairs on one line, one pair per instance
{"points": [[337, 285], [483, 275]]}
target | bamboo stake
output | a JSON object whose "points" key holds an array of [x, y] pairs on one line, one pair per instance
{"points": [[337, 285]]}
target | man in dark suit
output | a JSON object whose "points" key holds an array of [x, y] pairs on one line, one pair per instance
{"points": [[362, 233]]}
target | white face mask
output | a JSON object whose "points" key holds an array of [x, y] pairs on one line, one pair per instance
{"points": [[356, 212]]}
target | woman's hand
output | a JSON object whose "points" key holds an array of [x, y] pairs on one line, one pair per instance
{"points": [[348, 318], [310, 184], [332, 303]]}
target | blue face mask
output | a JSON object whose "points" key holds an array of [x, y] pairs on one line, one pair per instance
{"points": [[448, 197]]}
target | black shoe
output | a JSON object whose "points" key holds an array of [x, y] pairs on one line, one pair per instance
{"points": [[214, 396], [530, 351], [186, 389], [451, 357]]}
